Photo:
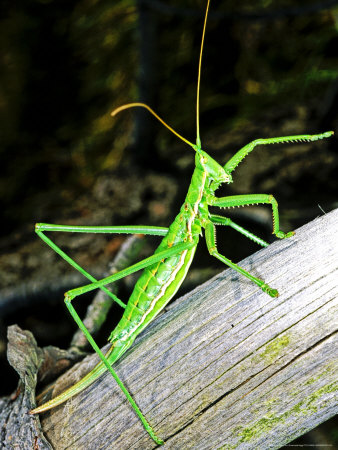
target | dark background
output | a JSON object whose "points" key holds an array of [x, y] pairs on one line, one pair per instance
{"points": [[269, 69]]}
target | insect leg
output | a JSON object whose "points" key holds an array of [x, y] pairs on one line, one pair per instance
{"points": [[221, 220], [242, 153], [40, 228], [70, 295], [250, 199], [211, 244]]}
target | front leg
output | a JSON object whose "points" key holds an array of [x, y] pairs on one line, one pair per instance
{"points": [[211, 244], [252, 199], [243, 152]]}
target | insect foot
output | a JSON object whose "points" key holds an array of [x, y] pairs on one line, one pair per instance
{"points": [[282, 235], [154, 437], [268, 290]]}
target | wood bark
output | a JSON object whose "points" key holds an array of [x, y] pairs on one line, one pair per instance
{"points": [[225, 366]]}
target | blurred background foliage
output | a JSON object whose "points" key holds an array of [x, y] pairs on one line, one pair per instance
{"points": [[270, 68]]}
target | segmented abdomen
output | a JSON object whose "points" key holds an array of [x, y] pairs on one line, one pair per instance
{"points": [[157, 284]]}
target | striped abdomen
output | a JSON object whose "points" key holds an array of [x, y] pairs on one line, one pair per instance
{"points": [[157, 284], [160, 281]]}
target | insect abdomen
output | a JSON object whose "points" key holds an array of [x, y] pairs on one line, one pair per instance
{"points": [[153, 290]]}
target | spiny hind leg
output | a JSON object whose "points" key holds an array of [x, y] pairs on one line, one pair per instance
{"points": [[211, 244], [251, 199]]}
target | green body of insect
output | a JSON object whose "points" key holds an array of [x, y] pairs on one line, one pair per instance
{"points": [[165, 270]]}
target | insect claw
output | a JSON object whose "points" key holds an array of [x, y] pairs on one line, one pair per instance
{"points": [[270, 291]]}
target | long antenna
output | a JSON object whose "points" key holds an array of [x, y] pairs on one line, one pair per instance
{"points": [[143, 105], [198, 139]]}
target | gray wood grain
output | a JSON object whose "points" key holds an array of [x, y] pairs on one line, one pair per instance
{"points": [[225, 366]]}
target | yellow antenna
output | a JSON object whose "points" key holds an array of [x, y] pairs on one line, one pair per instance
{"points": [[143, 105], [198, 139]]}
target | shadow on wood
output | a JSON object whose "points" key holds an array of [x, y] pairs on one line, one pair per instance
{"points": [[225, 366]]}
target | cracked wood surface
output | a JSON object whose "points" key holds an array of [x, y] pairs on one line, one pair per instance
{"points": [[225, 366]]}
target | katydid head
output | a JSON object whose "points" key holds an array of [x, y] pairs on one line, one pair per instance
{"points": [[215, 172]]}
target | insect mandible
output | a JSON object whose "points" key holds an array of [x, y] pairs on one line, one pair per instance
{"points": [[165, 270]]}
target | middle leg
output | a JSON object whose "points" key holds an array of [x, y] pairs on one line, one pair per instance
{"points": [[211, 244], [252, 199], [221, 220]]}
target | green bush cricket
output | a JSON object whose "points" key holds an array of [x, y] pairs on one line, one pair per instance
{"points": [[165, 270]]}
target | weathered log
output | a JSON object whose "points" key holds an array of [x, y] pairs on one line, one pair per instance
{"points": [[18, 429], [225, 366]]}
